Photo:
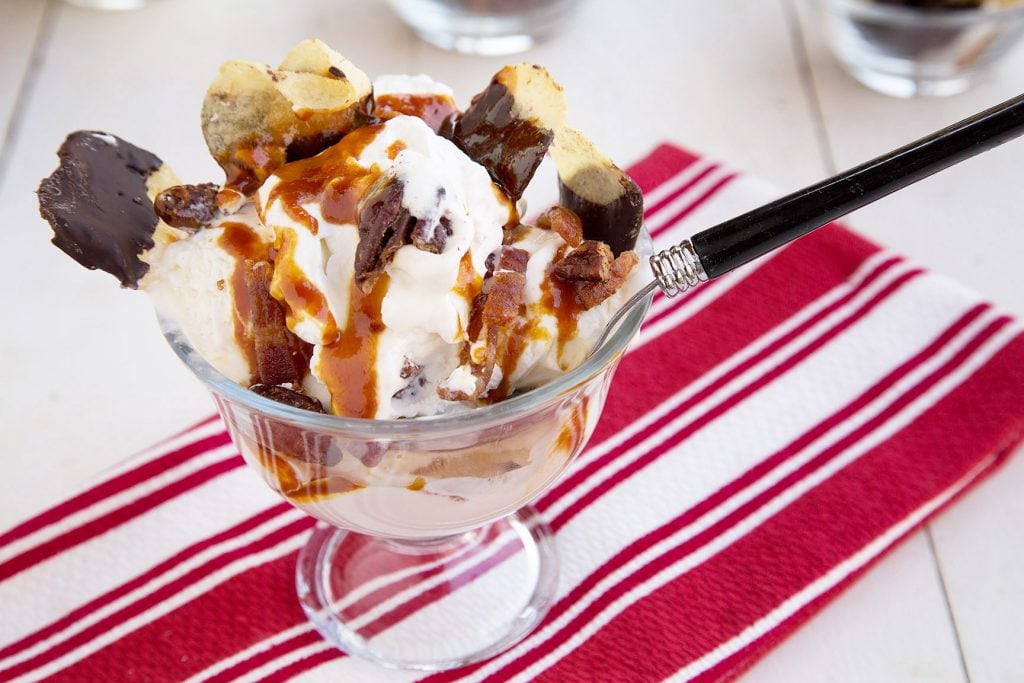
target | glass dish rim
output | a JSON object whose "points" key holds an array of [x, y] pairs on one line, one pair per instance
{"points": [[389, 429], [936, 16]]}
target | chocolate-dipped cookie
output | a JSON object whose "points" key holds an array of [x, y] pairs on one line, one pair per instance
{"points": [[99, 203], [607, 201], [509, 126], [256, 118]]}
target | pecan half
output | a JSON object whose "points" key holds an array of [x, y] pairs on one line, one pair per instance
{"points": [[187, 206], [593, 293]]}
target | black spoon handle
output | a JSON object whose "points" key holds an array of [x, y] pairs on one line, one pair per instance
{"points": [[730, 244]]}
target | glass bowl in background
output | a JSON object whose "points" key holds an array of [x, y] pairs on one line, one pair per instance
{"points": [[906, 51], [484, 27], [428, 555]]}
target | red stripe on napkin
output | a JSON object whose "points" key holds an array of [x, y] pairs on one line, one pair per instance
{"points": [[703, 590]]}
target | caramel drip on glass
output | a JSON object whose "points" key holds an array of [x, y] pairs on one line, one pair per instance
{"points": [[571, 435]]}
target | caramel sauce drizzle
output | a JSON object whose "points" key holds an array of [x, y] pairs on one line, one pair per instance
{"points": [[432, 109], [238, 240], [299, 294], [347, 365], [571, 435], [560, 300], [332, 178], [251, 162], [395, 148], [468, 282], [337, 183]]}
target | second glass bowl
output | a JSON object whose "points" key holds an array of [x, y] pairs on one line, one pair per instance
{"points": [[906, 51]]}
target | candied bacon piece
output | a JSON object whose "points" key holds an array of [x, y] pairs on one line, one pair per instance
{"points": [[589, 262], [275, 363], [503, 300], [593, 293], [494, 313], [563, 221]]}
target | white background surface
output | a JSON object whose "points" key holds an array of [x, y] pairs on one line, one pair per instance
{"points": [[87, 380]]}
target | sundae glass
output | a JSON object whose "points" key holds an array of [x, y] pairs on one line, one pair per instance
{"points": [[405, 574], [391, 345]]}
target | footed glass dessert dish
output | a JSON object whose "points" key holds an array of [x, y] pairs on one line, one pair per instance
{"points": [[428, 555]]}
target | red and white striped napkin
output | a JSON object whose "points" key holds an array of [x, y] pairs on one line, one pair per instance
{"points": [[770, 435]]}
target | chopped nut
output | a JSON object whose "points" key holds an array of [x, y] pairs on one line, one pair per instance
{"points": [[187, 206], [431, 235], [289, 397], [409, 369], [513, 259], [384, 227], [563, 221], [593, 293], [589, 262]]}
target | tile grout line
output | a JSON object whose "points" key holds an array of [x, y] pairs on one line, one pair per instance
{"points": [[39, 47], [803, 65], [946, 601]]}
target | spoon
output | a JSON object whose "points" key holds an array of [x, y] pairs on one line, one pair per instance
{"points": [[714, 252]]}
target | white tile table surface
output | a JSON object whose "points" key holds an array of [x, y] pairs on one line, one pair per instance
{"points": [[87, 380]]}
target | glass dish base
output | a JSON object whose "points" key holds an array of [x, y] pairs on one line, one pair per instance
{"points": [[485, 46], [429, 604], [899, 85]]}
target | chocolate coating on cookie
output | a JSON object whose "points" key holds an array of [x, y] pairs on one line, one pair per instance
{"points": [[615, 219], [509, 147], [97, 205]]}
